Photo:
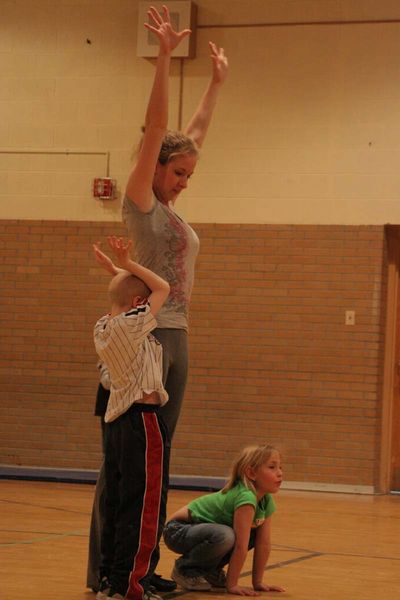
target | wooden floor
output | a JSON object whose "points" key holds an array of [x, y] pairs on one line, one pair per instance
{"points": [[325, 546]]}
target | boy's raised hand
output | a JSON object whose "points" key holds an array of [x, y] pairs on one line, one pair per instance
{"points": [[103, 260], [121, 249], [168, 38]]}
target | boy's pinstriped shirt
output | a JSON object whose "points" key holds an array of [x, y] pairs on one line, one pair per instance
{"points": [[133, 357]]}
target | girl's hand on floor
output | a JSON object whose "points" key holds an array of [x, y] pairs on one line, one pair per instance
{"points": [[263, 587], [242, 591]]}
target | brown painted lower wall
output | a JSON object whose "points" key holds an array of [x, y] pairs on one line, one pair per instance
{"points": [[271, 357]]}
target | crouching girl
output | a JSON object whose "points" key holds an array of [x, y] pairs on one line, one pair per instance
{"points": [[218, 529]]}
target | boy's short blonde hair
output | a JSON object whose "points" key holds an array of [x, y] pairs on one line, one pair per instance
{"points": [[124, 287]]}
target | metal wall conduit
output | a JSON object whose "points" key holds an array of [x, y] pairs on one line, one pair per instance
{"points": [[64, 153]]}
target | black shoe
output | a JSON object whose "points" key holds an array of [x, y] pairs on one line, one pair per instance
{"points": [[104, 588], [161, 584]]}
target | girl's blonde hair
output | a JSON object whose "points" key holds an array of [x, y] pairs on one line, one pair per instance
{"points": [[253, 457]]}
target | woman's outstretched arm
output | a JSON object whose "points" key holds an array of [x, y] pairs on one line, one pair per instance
{"points": [[199, 123], [139, 186]]}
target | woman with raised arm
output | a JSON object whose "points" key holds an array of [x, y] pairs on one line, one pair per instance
{"points": [[163, 241]]}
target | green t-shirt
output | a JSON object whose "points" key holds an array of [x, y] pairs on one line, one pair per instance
{"points": [[220, 507]]}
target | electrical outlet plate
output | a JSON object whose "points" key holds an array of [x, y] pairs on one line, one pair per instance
{"points": [[350, 317]]}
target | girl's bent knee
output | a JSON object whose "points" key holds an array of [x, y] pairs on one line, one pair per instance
{"points": [[224, 536], [174, 535]]}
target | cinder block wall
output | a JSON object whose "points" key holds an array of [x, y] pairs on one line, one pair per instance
{"points": [[271, 357]]}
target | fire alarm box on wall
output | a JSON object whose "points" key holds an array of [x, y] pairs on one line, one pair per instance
{"points": [[104, 188], [183, 16]]}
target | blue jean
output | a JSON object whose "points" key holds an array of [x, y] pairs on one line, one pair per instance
{"points": [[204, 547]]}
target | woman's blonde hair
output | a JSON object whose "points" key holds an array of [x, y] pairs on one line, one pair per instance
{"points": [[175, 143], [253, 457]]}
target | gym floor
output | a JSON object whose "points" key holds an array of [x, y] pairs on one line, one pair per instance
{"points": [[325, 546]]}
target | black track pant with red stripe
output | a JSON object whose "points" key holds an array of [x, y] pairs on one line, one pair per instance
{"points": [[137, 449]]}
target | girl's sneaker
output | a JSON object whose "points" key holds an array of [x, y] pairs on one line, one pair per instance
{"points": [[217, 578], [196, 583]]}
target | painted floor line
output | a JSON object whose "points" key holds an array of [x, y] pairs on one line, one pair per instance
{"points": [[286, 563], [67, 510], [47, 538]]}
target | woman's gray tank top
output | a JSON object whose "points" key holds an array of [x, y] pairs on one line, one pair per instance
{"points": [[166, 244]]}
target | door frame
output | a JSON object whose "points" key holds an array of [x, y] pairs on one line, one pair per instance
{"points": [[392, 240]]}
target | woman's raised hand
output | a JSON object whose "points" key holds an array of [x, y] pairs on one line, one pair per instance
{"points": [[162, 28], [220, 63]]}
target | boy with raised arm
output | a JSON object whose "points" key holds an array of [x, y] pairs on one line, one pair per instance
{"points": [[136, 440]]}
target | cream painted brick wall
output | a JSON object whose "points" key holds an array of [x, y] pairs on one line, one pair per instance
{"points": [[307, 129]]}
